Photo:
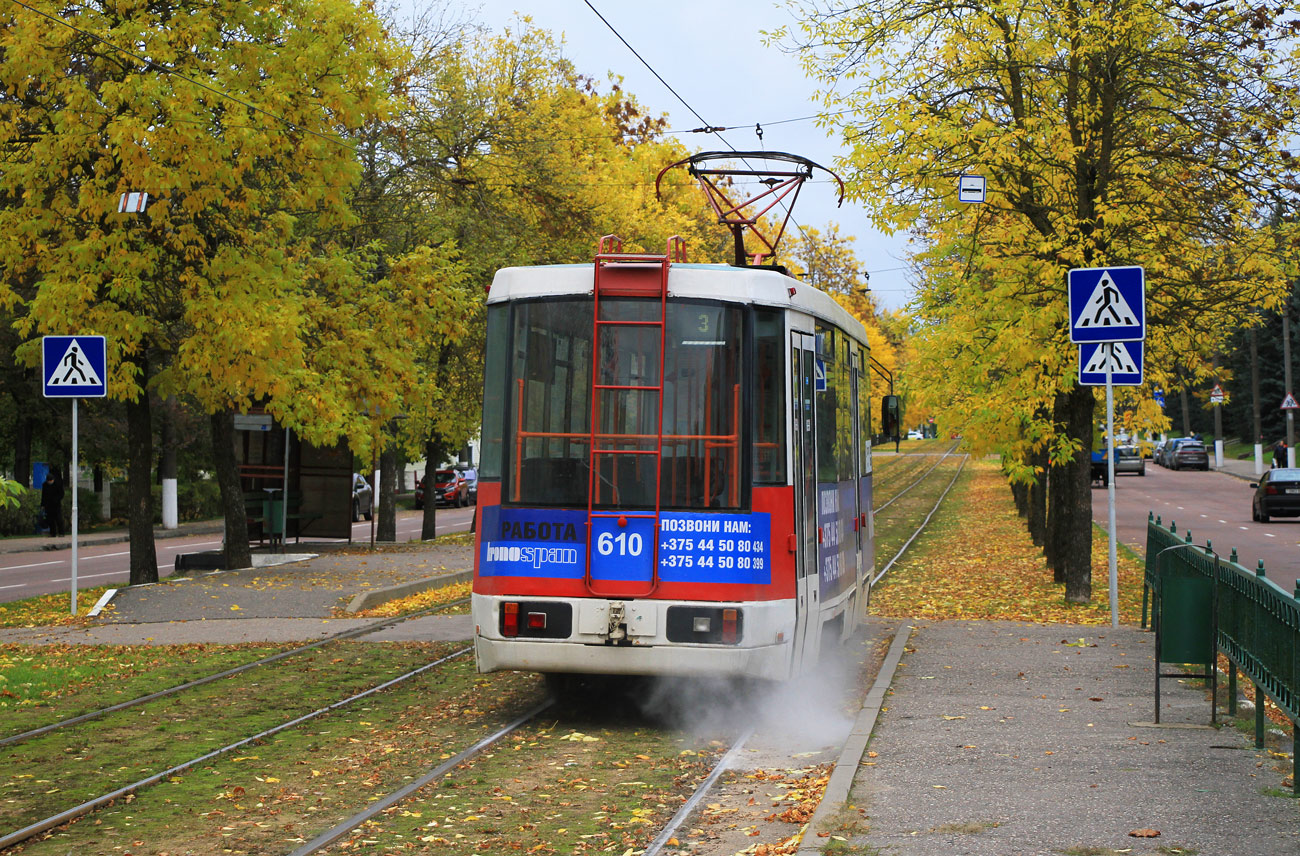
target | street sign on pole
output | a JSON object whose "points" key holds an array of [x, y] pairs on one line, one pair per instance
{"points": [[1107, 304], [970, 188], [1216, 396], [1123, 360], [74, 367]]}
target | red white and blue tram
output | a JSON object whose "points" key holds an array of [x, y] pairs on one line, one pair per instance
{"points": [[675, 470]]}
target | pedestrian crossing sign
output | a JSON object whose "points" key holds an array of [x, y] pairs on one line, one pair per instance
{"points": [[1107, 304], [74, 367], [1124, 359]]}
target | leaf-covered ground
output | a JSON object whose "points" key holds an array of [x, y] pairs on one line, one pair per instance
{"points": [[976, 560]]}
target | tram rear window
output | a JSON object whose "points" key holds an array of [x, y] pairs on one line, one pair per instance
{"points": [[557, 381]]}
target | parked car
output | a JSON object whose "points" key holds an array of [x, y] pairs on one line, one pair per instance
{"points": [[1128, 459], [449, 488], [470, 475], [1189, 455], [363, 498], [1158, 452], [1277, 494], [915, 435]]}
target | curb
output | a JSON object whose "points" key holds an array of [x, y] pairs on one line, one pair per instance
{"points": [[374, 597], [847, 765], [89, 540]]}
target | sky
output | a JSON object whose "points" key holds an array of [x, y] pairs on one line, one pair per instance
{"points": [[711, 53]]}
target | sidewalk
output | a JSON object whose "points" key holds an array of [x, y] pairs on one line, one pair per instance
{"points": [[1003, 739]]}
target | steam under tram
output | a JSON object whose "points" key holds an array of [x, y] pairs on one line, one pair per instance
{"points": [[675, 473]]}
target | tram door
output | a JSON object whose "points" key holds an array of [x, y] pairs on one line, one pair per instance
{"points": [[803, 362]]}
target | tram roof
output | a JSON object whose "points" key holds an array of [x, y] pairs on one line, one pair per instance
{"points": [[758, 286]]}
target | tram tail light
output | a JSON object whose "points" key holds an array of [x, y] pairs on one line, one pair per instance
{"points": [[729, 626], [510, 619], [537, 621]]}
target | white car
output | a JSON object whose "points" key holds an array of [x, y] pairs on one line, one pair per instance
{"points": [[915, 435]]}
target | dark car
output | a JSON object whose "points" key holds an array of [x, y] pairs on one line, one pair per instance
{"points": [[449, 488], [1277, 494], [470, 475], [362, 498], [1189, 455]]}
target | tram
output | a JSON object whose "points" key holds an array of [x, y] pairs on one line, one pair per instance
{"points": [[675, 473]]}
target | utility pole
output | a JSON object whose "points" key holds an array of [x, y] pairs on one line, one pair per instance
{"points": [[1286, 368], [1253, 333]]}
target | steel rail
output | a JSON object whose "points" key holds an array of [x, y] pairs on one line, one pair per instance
{"points": [[325, 839], [924, 523], [701, 791], [923, 477], [100, 801], [198, 682]]}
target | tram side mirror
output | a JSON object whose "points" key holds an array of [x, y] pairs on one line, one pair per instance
{"points": [[889, 418]]}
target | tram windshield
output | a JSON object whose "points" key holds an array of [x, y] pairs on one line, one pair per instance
{"points": [[549, 446]]}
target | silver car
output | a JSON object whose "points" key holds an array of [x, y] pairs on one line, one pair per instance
{"points": [[1128, 459]]}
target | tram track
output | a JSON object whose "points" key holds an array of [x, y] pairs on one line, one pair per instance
{"points": [[341, 636], [33, 829], [440, 774], [947, 452]]}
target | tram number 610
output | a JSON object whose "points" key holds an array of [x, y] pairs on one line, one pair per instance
{"points": [[625, 543]]}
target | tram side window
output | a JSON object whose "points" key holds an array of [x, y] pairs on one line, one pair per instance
{"points": [[494, 390], [548, 431], [828, 431], [769, 397], [844, 414]]}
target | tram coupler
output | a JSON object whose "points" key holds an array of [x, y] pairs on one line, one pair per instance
{"points": [[616, 633]]}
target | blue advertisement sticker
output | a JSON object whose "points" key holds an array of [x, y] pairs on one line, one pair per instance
{"points": [[715, 548], [533, 542]]}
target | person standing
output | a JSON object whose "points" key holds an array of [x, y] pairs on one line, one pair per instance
{"points": [[52, 503], [1279, 454]]}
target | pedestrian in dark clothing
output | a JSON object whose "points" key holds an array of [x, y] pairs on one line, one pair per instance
{"points": [[52, 503], [1279, 454]]}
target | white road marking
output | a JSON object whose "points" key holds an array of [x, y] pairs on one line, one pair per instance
{"points": [[36, 565]]}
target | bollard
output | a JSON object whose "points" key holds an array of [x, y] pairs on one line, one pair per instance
{"points": [[1259, 571]]}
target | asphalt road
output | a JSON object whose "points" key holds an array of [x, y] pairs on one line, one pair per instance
{"points": [[1213, 506], [45, 571]]}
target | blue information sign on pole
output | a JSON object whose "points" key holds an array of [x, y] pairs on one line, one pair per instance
{"points": [[74, 367], [1107, 304]]}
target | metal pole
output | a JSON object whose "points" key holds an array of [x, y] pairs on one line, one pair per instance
{"points": [[284, 494], [75, 478], [1113, 577], [1286, 373]]}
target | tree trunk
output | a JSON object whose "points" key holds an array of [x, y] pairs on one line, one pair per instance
{"points": [[23, 450], [1038, 499], [1075, 556], [238, 552], [139, 484], [1187, 413], [387, 528], [1057, 478], [429, 525]]}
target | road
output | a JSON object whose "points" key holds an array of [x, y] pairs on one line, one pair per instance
{"points": [[1213, 506], [38, 572]]}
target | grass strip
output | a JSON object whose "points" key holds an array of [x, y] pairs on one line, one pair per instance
{"points": [[123, 747], [305, 780]]}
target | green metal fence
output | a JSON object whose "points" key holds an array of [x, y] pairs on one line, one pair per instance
{"points": [[1256, 623]]}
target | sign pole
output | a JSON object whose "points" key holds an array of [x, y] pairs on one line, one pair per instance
{"points": [[1113, 577], [76, 477]]}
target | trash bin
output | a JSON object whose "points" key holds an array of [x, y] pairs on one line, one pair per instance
{"points": [[273, 518]]}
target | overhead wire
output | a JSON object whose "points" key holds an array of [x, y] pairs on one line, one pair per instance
{"points": [[715, 130]]}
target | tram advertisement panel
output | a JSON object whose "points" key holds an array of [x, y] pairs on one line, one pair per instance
{"points": [[836, 565], [715, 548], [693, 548], [533, 542]]}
